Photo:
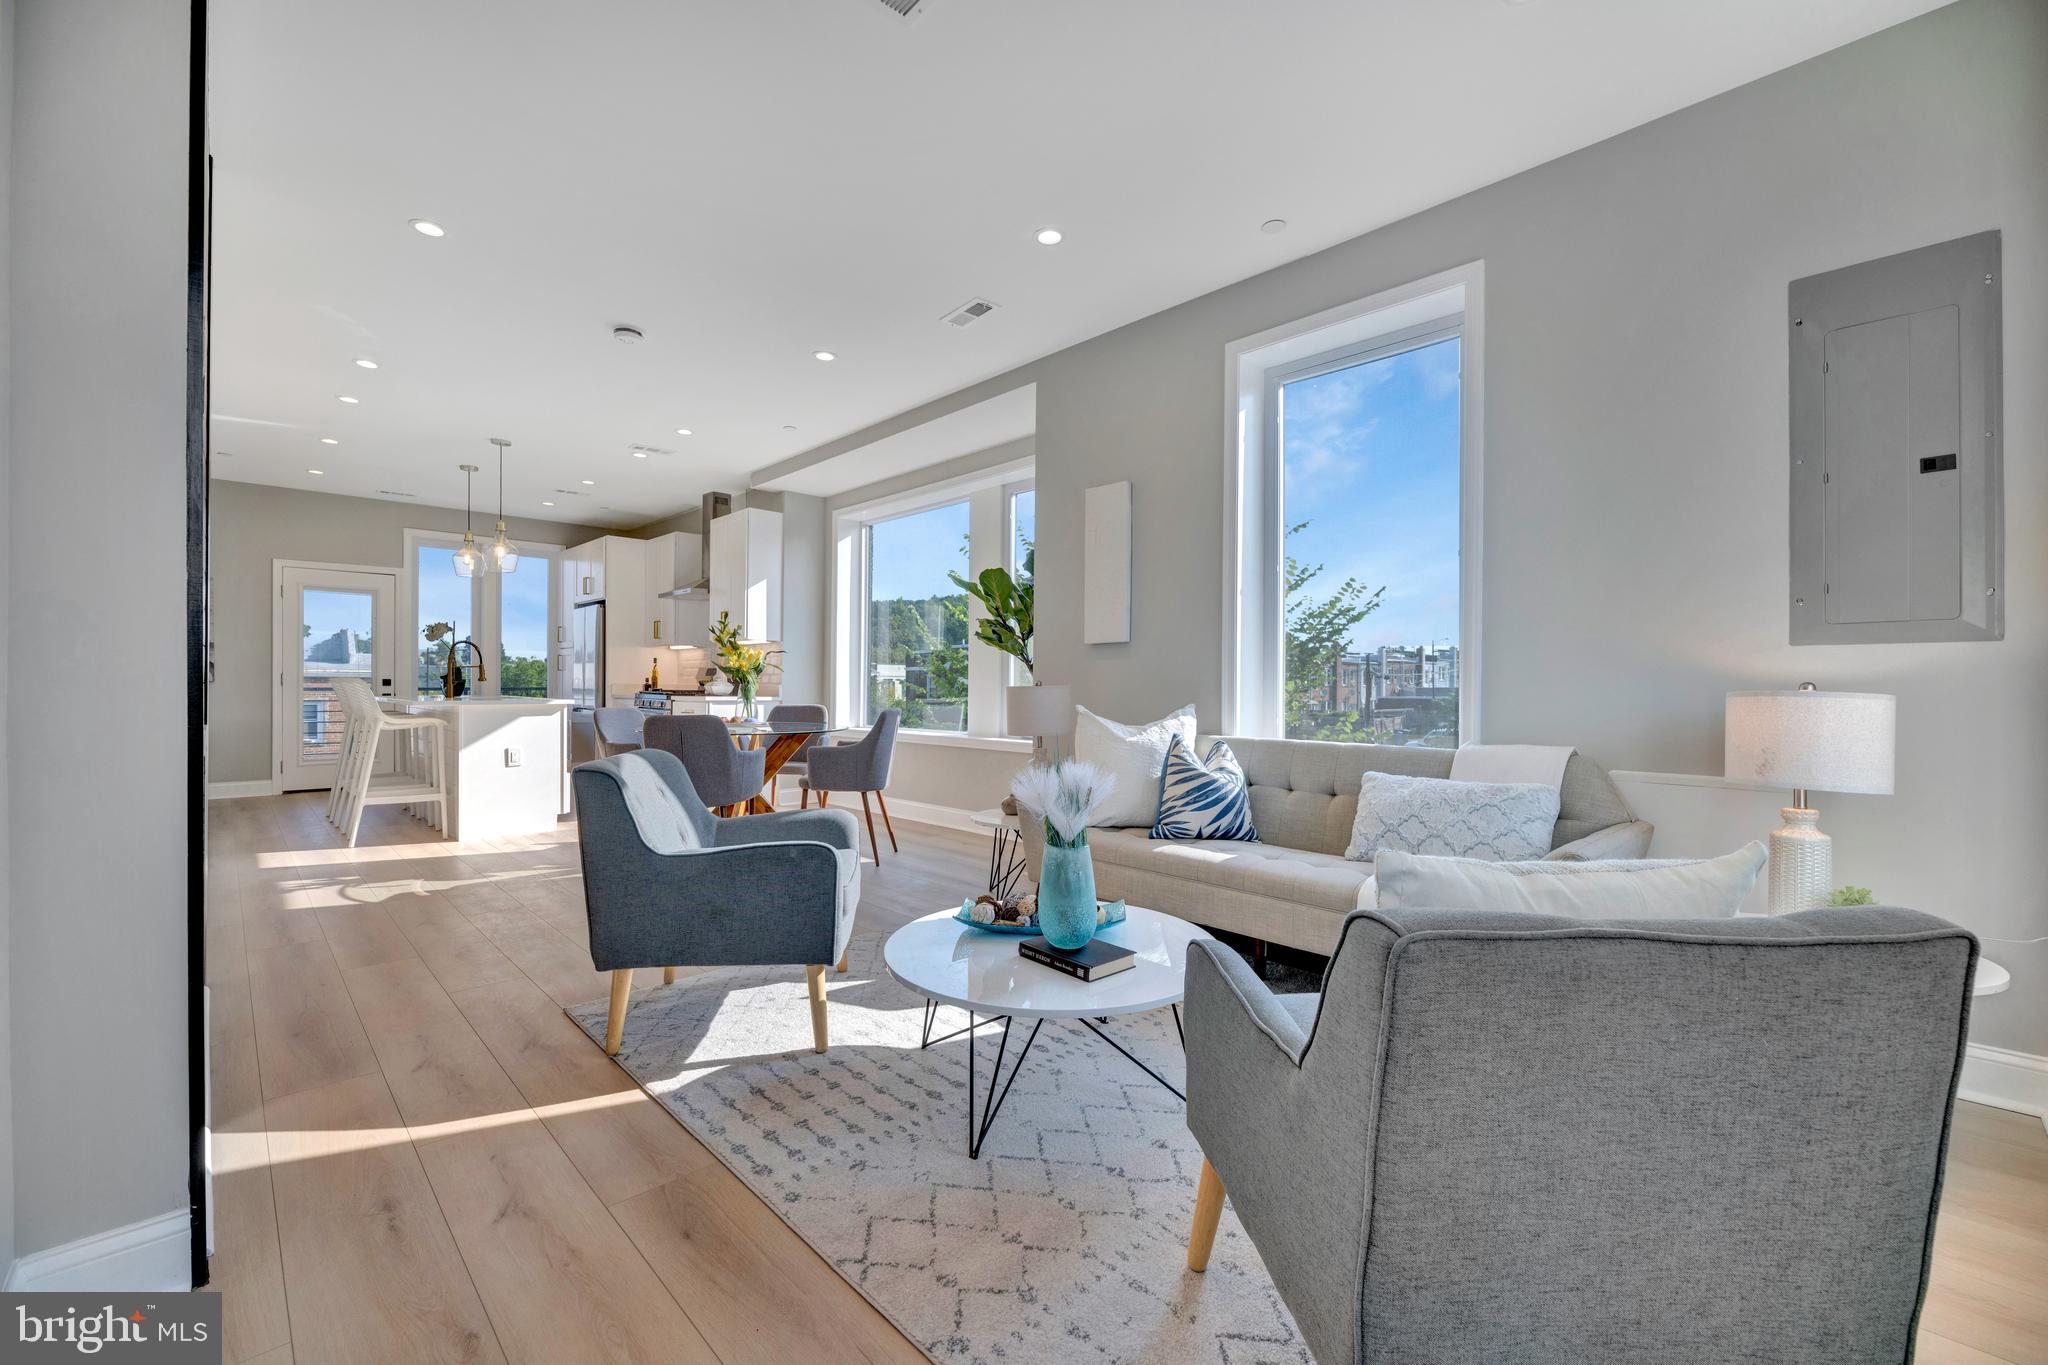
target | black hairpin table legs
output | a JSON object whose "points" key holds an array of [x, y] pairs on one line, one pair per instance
{"points": [[981, 1110]]}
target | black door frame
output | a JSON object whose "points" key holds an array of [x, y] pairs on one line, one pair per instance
{"points": [[198, 261]]}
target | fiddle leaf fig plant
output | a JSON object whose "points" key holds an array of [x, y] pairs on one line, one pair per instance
{"points": [[1006, 606]]}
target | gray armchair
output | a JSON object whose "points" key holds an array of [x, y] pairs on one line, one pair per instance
{"points": [[862, 766], [1518, 1137], [667, 885], [725, 776]]}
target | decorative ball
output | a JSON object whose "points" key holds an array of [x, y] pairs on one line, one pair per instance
{"points": [[983, 913]]}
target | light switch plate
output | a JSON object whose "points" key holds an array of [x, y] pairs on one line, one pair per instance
{"points": [[514, 757]]}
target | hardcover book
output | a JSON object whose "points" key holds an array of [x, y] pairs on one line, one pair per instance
{"points": [[1091, 961]]}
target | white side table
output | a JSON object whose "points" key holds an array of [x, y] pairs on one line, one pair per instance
{"points": [[1006, 854], [1990, 978]]}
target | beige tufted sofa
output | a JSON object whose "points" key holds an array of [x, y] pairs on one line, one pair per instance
{"points": [[1295, 886]]}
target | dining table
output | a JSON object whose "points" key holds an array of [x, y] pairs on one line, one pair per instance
{"points": [[784, 739]]}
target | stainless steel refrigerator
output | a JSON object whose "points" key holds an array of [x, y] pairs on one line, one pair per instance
{"points": [[586, 657]]}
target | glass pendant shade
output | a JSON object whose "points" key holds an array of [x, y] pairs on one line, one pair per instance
{"points": [[504, 555], [467, 560]]}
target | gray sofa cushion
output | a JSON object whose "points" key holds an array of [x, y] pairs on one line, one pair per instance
{"points": [[1305, 792], [1282, 874]]}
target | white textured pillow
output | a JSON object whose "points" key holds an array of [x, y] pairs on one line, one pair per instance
{"points": [[1619, 888], [1497, 821], [1134, 755]]}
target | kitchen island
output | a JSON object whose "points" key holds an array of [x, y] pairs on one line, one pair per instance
{"points": [[508, 762]]}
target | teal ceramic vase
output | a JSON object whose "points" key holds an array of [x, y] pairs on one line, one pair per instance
{"points": [[1066, 893]]}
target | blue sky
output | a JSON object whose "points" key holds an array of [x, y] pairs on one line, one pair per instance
{"points": [[1371, 463], [913, 554]]}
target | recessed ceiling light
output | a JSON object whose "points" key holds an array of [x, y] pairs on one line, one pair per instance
{"points": [[316, 471], [1273, 225], [590, 483], [427, 229], [546, 503], [627, 335], [367, 363], [787, 427], [345, 398], [329, 441], [682, 431], [639, 454], [1049, 236], [823, 355]]}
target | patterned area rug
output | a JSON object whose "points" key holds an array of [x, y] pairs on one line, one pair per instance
{"points": [[1066, 1240]]}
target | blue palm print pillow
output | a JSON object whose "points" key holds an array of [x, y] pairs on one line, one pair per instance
{"points": [[1203, 798]]}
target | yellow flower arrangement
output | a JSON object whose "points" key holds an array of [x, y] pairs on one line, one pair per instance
{"points": [[742, 663]]}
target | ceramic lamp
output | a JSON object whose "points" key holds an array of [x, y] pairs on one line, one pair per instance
{"points": [[1809, 740], [1040, 712]]}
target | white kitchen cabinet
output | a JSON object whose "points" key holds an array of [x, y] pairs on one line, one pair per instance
{"points": [[746, 572], [672, 560], [586, 571]]}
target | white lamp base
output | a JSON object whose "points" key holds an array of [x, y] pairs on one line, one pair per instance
{"points": [[1802, 863]]}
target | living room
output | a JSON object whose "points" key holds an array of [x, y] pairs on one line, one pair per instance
{"points": [[1345, 500]]}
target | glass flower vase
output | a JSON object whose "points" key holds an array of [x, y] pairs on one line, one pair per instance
{"points": [[1066, 893], [747, 686]]}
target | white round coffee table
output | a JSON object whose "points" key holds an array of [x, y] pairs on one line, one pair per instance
{"points": [[950, 963]]}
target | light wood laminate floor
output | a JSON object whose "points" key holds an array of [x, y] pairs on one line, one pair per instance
{"points": [[419, 1158]]}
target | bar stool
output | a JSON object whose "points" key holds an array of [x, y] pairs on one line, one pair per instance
{"points": [[421, 777]]}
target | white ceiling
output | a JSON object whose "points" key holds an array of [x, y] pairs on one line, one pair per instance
{"points": [[748, 181]]}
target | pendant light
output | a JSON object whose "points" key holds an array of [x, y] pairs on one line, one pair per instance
{"points": [[504, 557], [467, 559]]}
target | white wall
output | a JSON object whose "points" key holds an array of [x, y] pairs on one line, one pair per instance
{"points": [[96, 595], [1635, 497], [253, 524]]}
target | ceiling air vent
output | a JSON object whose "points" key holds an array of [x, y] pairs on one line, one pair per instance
{"points": [[974, 310], [394, 493], [906, 9]]}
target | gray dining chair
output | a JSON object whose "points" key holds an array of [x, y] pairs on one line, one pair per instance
{"points": [[619, 729], [724, 775], [861, 766], [1515, 1136], [667, 885], [796, 765]]}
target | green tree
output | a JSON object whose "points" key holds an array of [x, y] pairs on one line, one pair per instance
{"points": [[522, 677], [1318, 632]]}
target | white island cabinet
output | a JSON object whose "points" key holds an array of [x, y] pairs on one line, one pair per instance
{"points": [[507, 762]]}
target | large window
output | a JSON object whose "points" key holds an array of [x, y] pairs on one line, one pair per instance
{"points": [[917, 618], [903, 629], [1369, 457], [1351, 601], [510, 618]]}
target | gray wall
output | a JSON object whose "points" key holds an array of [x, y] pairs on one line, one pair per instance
{"points": [[254, 524], [96, 588], [1635, 485], [6, 488]]}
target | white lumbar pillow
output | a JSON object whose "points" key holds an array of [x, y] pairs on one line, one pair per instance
{"points": [[1498, 821], [1616, 888], [1134, 755]]}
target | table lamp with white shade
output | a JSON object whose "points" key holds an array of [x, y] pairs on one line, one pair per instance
{"points": [[1042, 711], [1809, 740]]}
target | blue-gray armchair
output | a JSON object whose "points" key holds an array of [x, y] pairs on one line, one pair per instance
{"points": [[1520, 1137], [667, 884], [862, 766]]}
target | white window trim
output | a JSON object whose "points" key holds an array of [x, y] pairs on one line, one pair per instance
{"points": [[486, 603], [986, 492], [1252, 613]]}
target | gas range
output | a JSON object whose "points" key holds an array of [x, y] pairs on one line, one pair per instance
{"points": [[660, 698]]}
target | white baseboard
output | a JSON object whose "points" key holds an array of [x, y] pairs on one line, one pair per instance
{"points": [[227, 791], [945, 817], [155, 1254], [2005, 1079]]}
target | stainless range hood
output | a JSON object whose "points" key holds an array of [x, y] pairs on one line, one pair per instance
{"points": [[715, 505]]}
